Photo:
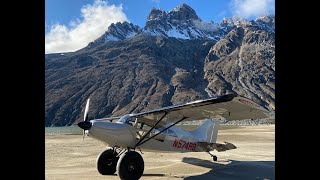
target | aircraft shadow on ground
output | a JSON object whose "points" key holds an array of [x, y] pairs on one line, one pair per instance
{"points": [[150, 175], [257, 170]]}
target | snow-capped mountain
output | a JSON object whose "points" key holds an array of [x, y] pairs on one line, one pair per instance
{"points": [[266, 22], [131, 69], [119, 31], [181, 22]]}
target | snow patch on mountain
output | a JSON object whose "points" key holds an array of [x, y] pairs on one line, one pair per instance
{"points": [[177, 34]]}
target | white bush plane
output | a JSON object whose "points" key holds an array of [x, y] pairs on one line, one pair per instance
{"points": [[156, 131]]}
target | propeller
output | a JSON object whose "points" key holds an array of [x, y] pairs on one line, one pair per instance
{"points": [[85, 124], [86, 115]]}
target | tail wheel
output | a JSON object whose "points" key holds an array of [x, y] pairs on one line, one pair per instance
{"points": [[130, 166], [107, 162], [215, 158]]}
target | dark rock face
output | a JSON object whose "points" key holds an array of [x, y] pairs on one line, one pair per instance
{"points": [[243, 62], [139, 71], [183, 13], [133, 75]]}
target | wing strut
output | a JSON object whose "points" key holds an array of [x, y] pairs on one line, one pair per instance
{"points": [[140, 143]]}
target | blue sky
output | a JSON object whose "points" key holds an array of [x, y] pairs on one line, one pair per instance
{"points": [[72, 24], [62, 11]]}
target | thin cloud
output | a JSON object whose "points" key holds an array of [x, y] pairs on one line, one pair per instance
{"points": [[222, 13], [96, 18], [252, 8]]}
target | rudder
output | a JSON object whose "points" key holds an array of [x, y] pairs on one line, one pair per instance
{"points": [[207, 131]]}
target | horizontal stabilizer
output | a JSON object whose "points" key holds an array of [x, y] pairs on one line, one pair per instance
{"points": [[216, 146]]}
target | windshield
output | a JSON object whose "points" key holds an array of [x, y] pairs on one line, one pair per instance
{"points": [[125, 119]]}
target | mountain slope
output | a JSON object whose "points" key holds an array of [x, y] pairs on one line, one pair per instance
{"points": [[126, 76], [132, 69], [243, 62]]}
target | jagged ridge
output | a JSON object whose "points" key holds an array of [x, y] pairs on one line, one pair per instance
{"points": [[136, 70]]}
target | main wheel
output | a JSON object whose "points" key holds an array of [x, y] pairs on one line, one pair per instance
{"points": [[130, 166], [107, 162]]}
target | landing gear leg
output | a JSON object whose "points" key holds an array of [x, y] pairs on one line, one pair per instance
{"points": [[215, 158], [130, 165]]}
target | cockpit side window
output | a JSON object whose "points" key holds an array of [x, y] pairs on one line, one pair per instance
{"points": [[167, 132]]}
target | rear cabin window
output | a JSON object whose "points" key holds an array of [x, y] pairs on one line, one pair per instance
{"points": [[145, 128]]}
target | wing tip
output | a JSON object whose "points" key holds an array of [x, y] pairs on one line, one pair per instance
{"points": [[251, 103]]}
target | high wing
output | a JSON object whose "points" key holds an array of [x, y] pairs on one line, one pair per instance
{"points": [[230, 107], [108, 119]]}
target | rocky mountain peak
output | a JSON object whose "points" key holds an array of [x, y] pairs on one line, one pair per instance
{"points": [[266, 19], [183, 12], [156, 14], [266, 22], [118, 31], [122, 28], [183, 23]]}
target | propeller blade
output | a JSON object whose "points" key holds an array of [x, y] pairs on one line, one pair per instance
{"points": [[85, 124], [86, 115]]}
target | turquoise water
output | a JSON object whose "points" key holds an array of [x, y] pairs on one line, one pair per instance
{"points": [[63, 130]]}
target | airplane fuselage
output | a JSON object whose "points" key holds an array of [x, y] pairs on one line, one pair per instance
{"points": [[123, 135]]}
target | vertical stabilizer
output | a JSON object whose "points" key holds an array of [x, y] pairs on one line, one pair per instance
{"points": [[207, 131]]}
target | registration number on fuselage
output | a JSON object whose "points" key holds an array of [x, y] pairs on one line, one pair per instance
{"points": [[181, 144]]}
